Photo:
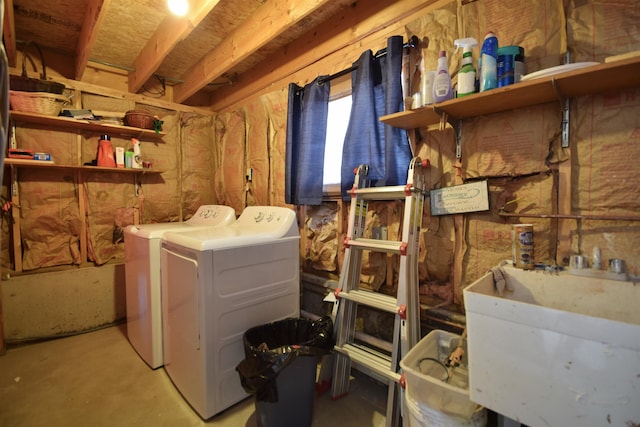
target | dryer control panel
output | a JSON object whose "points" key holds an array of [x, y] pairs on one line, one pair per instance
{"points": [[274, 219], [212, 215]]}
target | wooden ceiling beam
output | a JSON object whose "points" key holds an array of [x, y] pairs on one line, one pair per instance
{"points": [[268, 22], [348, 37], [9, 32], [164, 39], [93, 18]]}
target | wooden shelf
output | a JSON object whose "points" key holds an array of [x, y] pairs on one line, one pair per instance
{"points": [[89, 125], [51, 165], [585, 81]]}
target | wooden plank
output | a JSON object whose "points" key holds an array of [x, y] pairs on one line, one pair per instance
{"points": [[164, 39], [595, 79], [459, 244], [82, 203], [565, 226], [268, 22], [3, 347], [598, 78], [93, 18], [413, 119], [351, 32], [505, 98], [9, 33], [52, 165], [90, 125], [15, 214], [133, 97], [82, 210]]}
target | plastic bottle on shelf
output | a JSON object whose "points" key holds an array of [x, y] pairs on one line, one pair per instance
{"points": [[467, 74], [442, 82], [137, 155], [488, 63], [105, 156], [426, 83]]}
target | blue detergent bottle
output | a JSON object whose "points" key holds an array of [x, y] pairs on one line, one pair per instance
{"points": [[488, 63]]}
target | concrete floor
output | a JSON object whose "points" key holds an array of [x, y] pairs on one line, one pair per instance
{"points": [[97, 379]]}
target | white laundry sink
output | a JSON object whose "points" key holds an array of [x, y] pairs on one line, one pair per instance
{"points": [[555, 350]]}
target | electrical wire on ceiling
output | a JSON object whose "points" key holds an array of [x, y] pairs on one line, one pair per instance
{"points": [[158, 93]]}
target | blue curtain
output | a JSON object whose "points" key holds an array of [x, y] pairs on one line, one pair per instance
{"points": [[306, 134], [376, 91]]}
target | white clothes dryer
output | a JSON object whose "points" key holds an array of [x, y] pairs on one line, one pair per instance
{"points": [[215, 286], [142, 276]]}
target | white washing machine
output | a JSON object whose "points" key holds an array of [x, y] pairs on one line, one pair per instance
{"points": [[142, 276], [215, 286]]}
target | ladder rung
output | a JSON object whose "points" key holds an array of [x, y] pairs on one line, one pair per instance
{"points": [[373, 342], [372, 362], [394, 192], [371, 299], [389, 246]]}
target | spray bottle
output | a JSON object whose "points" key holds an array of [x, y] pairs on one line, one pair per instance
{"points": [[467, 74], [488, 63], [442, 82]]}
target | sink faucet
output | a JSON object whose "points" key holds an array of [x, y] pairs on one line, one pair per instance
{"points": [[617, 268], [596, 258]]}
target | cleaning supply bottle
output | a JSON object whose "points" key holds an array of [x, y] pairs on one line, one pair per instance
{"points": [[488, 63], [105, 156], [442, 82], [426, 83], [467, 74], [137, 156]]}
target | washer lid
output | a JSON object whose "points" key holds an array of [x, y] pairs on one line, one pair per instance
{"points": [[257, 224], [206, 216]]}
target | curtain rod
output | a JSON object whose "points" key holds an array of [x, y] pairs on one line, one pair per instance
{"points": [[413, 42]]}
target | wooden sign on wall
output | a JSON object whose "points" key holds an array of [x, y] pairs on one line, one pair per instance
{"points": [[472, 197]]}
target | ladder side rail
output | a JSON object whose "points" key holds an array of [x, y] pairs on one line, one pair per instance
{"points": [[416, 177], [413, 285], [345, 318], [404, 291], [414, 273], [406, 304]]}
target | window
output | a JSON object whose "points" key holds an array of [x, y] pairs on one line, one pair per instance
{"points": [[337, 122]]}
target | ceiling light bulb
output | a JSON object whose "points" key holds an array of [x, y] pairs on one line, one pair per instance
{"points": [[178, 7]]}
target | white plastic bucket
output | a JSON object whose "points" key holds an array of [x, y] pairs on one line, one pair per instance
{"points": [[420, 415]]}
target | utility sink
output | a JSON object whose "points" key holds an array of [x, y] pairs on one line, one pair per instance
{"points": [[554, 349]]}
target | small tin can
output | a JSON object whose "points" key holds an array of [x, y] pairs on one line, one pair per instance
{"points": [[522, 246]]}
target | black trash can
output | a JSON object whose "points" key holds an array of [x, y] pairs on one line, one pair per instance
{"points": [[280, 368]]}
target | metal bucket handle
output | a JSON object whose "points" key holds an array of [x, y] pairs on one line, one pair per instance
{"points": [[43, 76]]}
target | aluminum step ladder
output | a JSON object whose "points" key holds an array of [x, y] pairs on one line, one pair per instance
{"points": [[381, 362]]}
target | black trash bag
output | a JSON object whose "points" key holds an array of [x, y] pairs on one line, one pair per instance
{"points": [[272, 347]]}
